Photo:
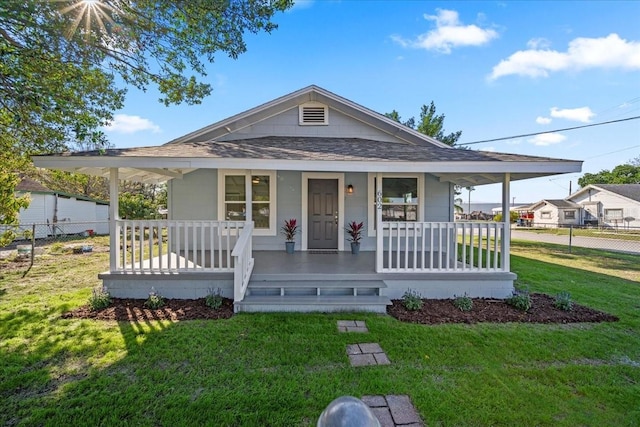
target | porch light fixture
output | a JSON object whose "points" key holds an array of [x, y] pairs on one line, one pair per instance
{"points": [[349, 189]]}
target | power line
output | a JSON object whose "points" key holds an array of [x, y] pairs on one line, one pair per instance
{"points": [[550, 131], [612, 152]]}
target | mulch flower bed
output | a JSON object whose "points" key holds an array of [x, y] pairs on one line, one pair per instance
{"points": [[433, 311], [127, 309], [498, 311]]}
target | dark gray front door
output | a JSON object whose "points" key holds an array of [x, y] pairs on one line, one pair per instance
{"points": [[323, 214]]}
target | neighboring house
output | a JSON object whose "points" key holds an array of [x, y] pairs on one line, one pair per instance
{"points": [[325, 161], [58, 213], [555, 213], [609, 205]]}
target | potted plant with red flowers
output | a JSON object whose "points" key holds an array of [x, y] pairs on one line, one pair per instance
{"points": [[290, 229], [354, 230]]}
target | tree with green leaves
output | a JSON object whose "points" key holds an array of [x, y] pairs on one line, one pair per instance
{"points": [[61, 61], [628, 173], [429, 123], [432, 125]]}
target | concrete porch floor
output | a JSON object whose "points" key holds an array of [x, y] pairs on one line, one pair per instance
{"points": [[342, 263]]}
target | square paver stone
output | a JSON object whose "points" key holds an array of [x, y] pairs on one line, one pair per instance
{"points": [[381, 359], [402, 410], [362, 359], [356, 329], [353, 349], [371, 348], [374, 401], [345, 323], [384, 416]]}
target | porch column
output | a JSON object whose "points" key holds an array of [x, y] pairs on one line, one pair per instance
{"points": [[114, 228], [379, 230], [506, 219]]}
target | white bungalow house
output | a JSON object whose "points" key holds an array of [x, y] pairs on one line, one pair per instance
{"points": [[609, 205], [325, 161], [56, 213], [556, 213]]}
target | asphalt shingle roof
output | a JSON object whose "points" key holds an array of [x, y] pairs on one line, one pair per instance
{"points": [[28, 185], [315, 148], [630, 191], [562, 204]]}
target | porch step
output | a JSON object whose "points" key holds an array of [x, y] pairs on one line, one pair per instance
{"points": [[298, 287], [313, 303]]}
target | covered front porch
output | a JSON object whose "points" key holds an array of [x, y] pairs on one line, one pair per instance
{"points": [[189, 259]]}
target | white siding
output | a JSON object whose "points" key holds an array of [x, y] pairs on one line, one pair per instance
{"points": [[438, 200], [607, 201], [539, 219], [286, 124], [194, 196], [102, 219], [73, 215]]}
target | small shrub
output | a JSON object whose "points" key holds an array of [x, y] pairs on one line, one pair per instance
{"points": [[99, 299], [56, 248], [214, 299], [520, 300], [563, 301], [412, 300], [463, 303], [155, 300]]}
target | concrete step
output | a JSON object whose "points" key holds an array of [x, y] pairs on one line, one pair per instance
{"points": [[313, 303], [317, 284], [315, 287]]}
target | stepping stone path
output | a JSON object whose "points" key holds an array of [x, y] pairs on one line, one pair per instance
{"points": [[352, 326], [367, 354], [394, 410], [391, 410]]}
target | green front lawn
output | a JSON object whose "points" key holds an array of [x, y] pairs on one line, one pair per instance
{"points": [[283, 369]]}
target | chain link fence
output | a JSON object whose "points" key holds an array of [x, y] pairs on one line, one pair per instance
{"points": [[30, 239], [621, 239]]}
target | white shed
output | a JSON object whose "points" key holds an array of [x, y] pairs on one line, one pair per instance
{"points": [[55, 212]]}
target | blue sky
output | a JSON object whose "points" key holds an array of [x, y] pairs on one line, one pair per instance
{"points": [[495, 69]]}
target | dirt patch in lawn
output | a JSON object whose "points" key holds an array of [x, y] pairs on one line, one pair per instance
{"points": [[497, 311], [134, 310]]}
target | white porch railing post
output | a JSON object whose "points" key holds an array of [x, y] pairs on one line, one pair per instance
{"points": [[243, 262], [506, 219], [379, 228], [114, 227]]}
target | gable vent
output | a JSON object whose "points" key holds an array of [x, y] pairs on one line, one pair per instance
{"points": [[313, 114]]}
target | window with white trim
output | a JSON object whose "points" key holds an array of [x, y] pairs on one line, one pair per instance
{"points": [[545, 214], [401, 198], [569, 214], [240, 189], [613, 214]]}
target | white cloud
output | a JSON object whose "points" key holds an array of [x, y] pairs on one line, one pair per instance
{"points": [[124, 123], [583, 114], [543, 120], [449, 33], [582, 53], [489, 149], [546, 139], [539, 43]]}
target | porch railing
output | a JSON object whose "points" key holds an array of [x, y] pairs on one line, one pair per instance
{"points": [[441, 246], [243, 262], [176, 245]]}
